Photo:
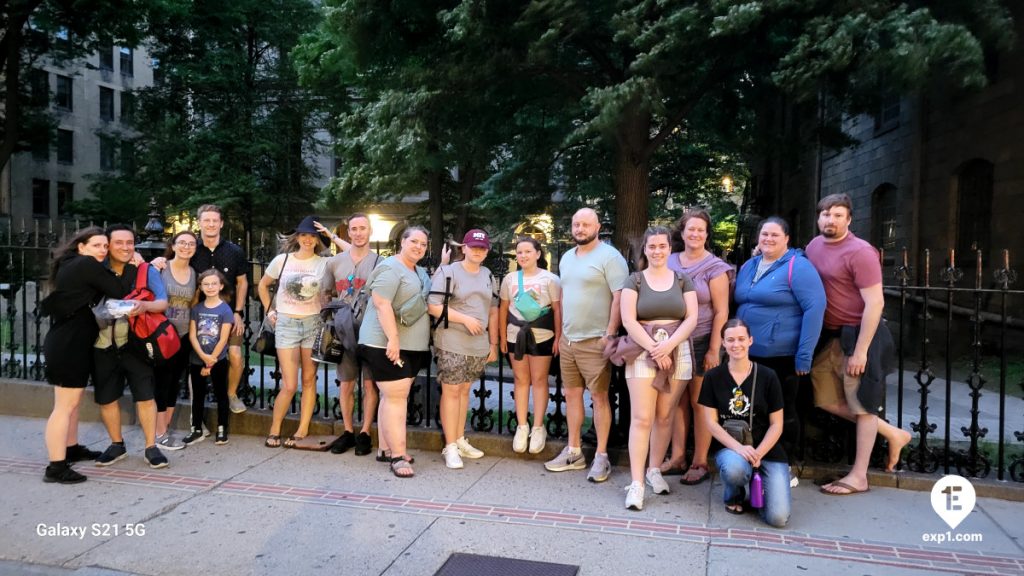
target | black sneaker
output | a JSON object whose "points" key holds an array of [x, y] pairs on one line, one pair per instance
{"points": [[61, 473], [222, 436], [194, 437], [116, 451], [364, 444], [343, 443], [155, 458], [79, 453]]}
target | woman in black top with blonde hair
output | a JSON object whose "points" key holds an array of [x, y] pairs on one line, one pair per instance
{"points": [[79, 280]]}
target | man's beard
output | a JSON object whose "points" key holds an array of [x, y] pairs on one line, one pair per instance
{"points": [[584, 241]]}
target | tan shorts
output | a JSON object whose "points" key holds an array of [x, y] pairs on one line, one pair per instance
{"points": [[644, 367], [832, 385], [235, 340], [583, 364]]}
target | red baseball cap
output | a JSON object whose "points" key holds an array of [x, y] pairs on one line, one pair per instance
{"points": [[476, 238]]}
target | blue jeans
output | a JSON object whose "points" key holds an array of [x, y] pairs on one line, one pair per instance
{"points": [[735, 472]]}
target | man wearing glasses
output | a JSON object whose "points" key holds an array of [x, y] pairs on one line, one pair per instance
{"points": [[347, 273]]}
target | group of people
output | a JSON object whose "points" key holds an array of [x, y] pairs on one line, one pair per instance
{"points": [[191, 285], [796, 313]]}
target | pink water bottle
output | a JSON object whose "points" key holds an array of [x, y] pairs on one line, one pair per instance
{"points": [[756, 490]]}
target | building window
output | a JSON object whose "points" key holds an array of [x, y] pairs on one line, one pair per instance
{"points": [[884, 218], [65, 196], [974, 210], [127, 106], [127, 64], [39, 81], [107, 57], [40, 197], [64, 98], [106, 104], [158, 76], [127, 157], [65, 146], [108, 147], [41, 145], [63, 40]]}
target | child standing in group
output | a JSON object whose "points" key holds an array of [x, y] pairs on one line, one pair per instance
{"points": [[209, 330]]}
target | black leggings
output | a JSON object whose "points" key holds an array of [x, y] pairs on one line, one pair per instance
{"points": [[785, 369], [168, 377], [219, 375]]}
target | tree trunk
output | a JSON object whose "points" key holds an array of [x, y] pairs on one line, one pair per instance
{"points": [[632, 171], [467, 181]]}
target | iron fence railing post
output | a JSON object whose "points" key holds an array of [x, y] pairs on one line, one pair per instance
{"points": [[921, 457], [973, 463], [950, 275]]}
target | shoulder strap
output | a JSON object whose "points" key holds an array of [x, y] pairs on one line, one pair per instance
{"points": [[142, 276], [520, 275], [277, 290], [753, 392], [449, 288]]}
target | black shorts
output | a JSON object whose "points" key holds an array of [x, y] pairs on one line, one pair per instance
{"points": [[113, 368], [701, 344], [545, 348], [384, 370]]}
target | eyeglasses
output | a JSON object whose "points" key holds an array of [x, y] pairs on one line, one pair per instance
{"points": [[185, 244]]}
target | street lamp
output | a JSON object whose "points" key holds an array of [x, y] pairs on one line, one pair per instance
{"points": [[154, 244]]}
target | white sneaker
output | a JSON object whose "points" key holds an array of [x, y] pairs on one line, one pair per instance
{"points": [[451, 456], [522, 437], [656, 482], [466, 450], [538, 438], [635, 496]]}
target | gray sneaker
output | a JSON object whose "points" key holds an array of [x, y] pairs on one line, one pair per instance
{"points": [[600, 469], [169, 442], [236, 404], [566, 460]]}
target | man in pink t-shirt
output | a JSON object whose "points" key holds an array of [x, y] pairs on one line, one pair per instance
{"points": [[852, 275]]}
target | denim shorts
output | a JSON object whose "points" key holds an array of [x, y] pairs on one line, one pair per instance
{"points": [[292, 332]]}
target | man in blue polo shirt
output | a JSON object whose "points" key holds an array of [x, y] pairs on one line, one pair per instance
{"points": [[115, 364]]}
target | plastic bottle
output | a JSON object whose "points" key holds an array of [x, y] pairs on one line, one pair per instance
{"points": [[756, 490]]}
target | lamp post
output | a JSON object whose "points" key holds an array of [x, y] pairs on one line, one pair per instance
{"points": [[154, 244]]}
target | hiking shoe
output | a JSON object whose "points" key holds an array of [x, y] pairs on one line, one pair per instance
{"points": [[194, 437], [452, 459], [600, 469], [466, 450], [656, 482], [566, 460], [342, 443], [116, 451], [169, 442], [538, 438], [79, 453], [155, 458], [364, 444], [635, 496], [62, 473], [222, 436], [521, 438], [236, 404]]}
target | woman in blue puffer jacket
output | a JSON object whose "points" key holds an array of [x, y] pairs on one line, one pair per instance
{"points": [[781, 298]]}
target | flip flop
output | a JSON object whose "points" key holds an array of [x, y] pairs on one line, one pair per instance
{"points": [[293, 440], [850, 490], [739, 512], [273, 441]]}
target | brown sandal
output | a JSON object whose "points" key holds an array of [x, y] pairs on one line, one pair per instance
{"points": [[690, 479], [401, 467], [273, 441]]}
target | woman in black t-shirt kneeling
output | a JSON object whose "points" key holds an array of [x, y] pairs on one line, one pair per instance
{"points": [[730, 392]]}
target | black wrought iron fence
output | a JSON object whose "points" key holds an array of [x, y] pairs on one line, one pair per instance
{"points": [[990, 328]]}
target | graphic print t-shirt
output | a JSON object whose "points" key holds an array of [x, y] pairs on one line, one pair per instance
{"points": [[208, 325], [299, 285]]}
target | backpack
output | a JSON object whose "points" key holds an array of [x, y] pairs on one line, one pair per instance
{"points": [[150, 334]]}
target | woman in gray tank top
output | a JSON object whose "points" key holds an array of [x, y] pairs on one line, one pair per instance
{"points": [[659, 311], [180, 283]]}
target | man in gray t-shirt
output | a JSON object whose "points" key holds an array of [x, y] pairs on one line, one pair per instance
{"points": [[592, 275], [347, 273]]}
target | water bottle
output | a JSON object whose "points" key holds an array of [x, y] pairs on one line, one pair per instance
{"points": [[756, 490]]}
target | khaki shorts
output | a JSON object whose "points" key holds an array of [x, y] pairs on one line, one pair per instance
{"points": [[583, 364], [644, 367], [832, 385]]}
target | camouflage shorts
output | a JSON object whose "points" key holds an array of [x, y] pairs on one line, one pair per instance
{"points": [[455, 368]]}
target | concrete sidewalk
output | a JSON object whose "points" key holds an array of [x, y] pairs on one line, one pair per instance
{"points": [[246, 509]]}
